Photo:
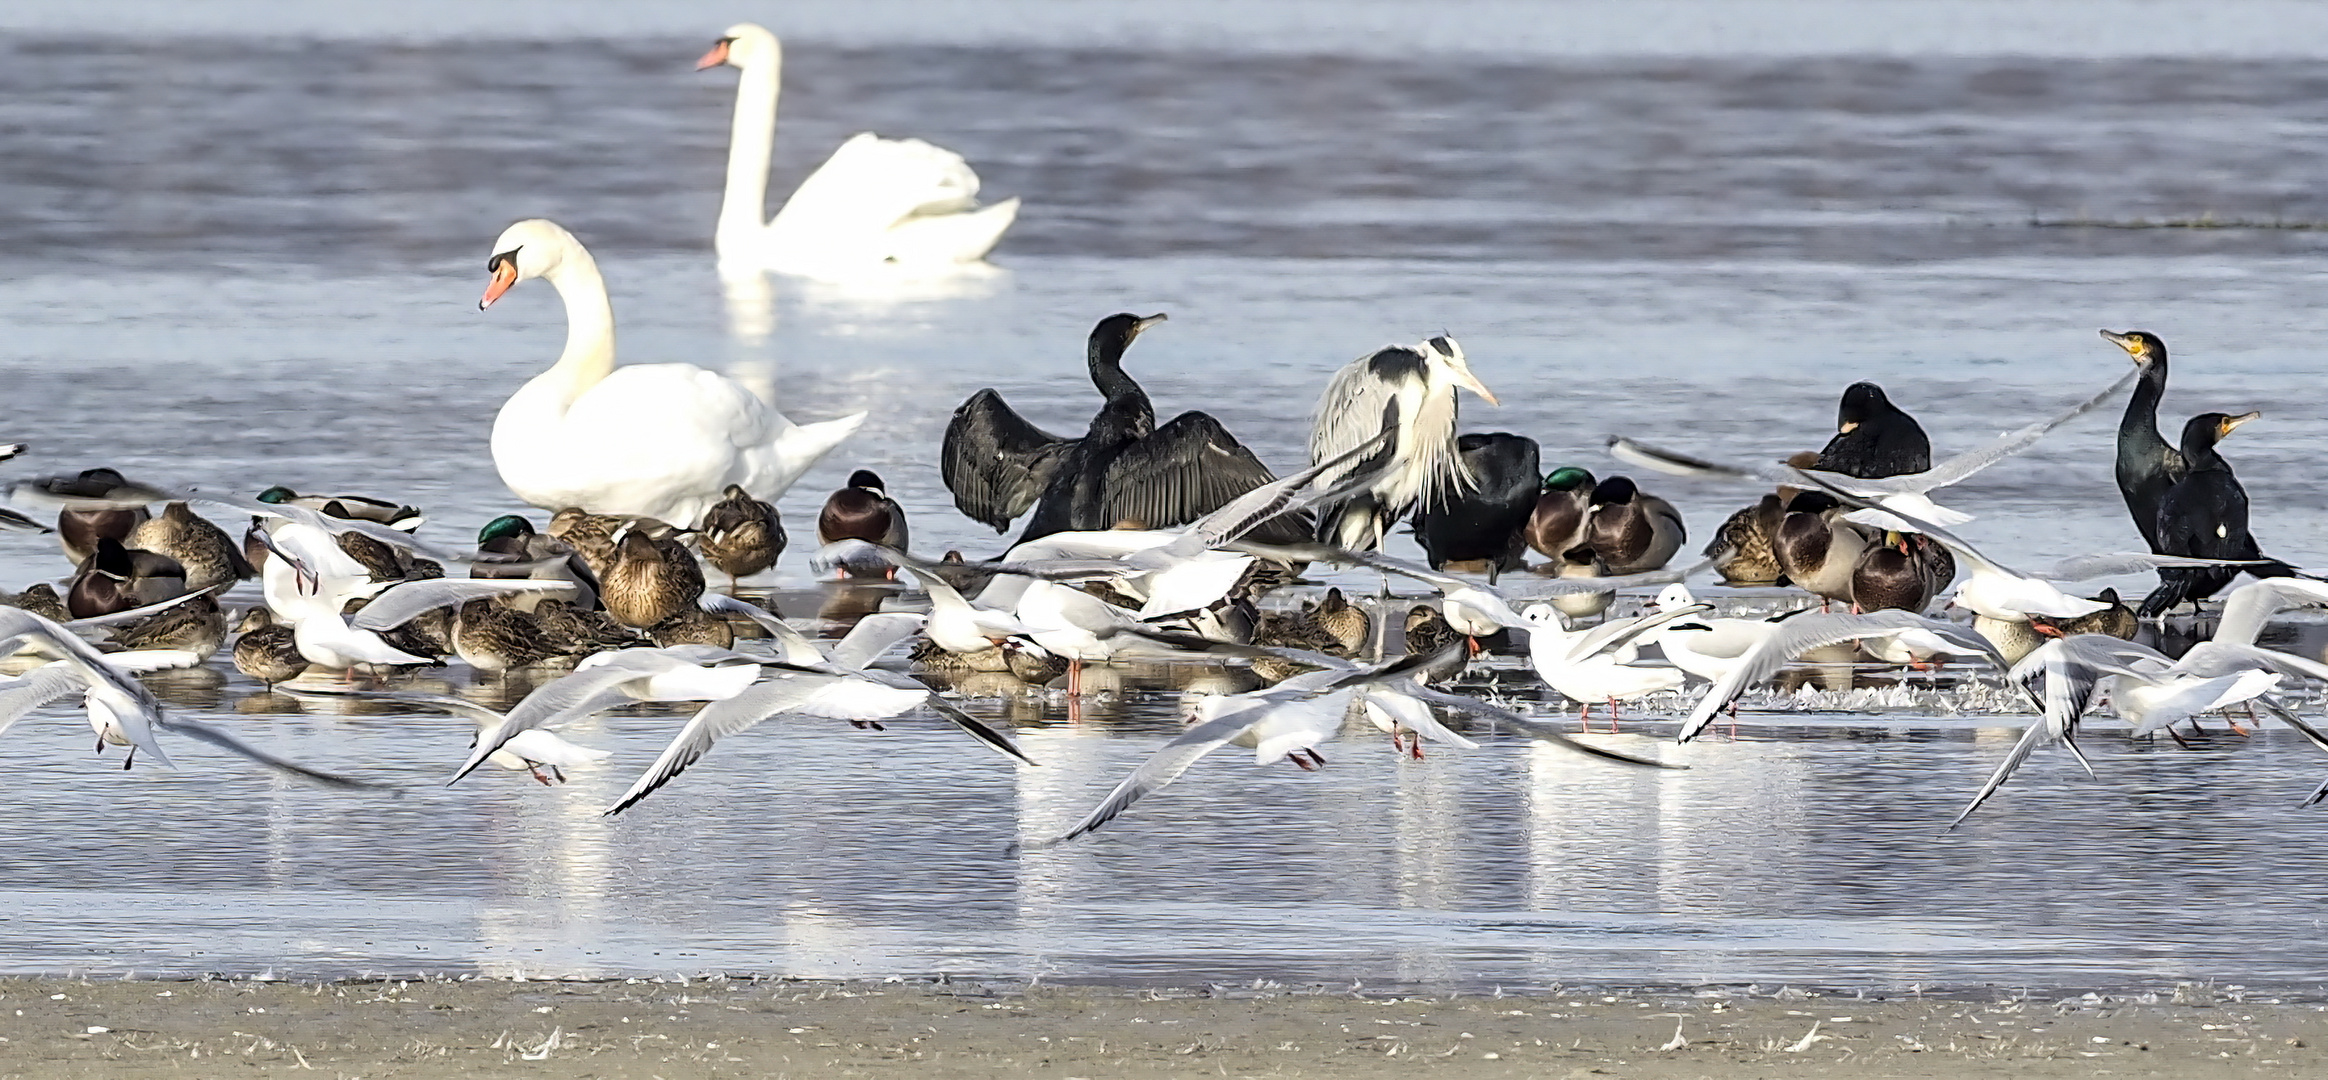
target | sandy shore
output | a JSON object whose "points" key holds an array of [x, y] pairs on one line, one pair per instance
{"points": [[478, 1028]]}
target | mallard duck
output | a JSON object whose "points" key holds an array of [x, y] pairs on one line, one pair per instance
{"points": [[2117, 620], [572, 630], [196, 626], [1427, 632], [1347, 622], [1631, 530], [1741, 548], [41, 599], [493, 637], [266, 651], [428, 634], [512, 538], [201, 549], [863, 511], [1563, 510], [384, 562], [116, 578], [693, 626], [742, 535], [1031, 663], [349, 507], [650, 580], [930, 656], [592, 535]]}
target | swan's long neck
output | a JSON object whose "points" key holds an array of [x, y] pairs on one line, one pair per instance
{"points": [[751, 144], [589, 355]]}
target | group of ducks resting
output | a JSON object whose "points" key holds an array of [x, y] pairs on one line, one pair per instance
{"points": [[1165, 540]]}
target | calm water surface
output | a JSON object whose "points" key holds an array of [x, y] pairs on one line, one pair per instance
{"points": [[239, 259]]}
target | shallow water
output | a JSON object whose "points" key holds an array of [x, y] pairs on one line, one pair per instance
{"points": [[243, 258]]}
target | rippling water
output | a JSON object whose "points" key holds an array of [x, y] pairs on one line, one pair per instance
{"points": [[240, 257]]}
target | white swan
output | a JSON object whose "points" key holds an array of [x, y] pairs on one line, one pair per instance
{"points": [[659, 440], [876, 202]]}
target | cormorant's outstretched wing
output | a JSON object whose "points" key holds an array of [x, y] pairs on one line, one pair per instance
{"points": [[1185, 470], [996, 463]]}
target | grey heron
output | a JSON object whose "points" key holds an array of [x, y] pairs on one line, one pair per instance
{"points": [[1407, 389]]}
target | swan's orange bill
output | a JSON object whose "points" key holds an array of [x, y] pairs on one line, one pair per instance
{"points": [[714, 58], [504, 276]]}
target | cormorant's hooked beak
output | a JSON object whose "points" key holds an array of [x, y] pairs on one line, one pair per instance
{"points": [[1141, 326], [504, 268], [717, 56], [2229, 424], [2131, 342]]}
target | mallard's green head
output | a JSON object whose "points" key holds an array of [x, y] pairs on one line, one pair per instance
{"points": [[278, 495], [1569, 478], [507, 525]]}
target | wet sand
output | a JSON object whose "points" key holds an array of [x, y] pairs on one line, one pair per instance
{"points": [[723, 1028]]}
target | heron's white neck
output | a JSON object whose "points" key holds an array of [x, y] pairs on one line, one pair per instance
{"points": [[751, 144], [589, 355]]}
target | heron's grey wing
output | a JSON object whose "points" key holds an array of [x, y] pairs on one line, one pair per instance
{"points": [[403, 603], [2088, 567], [975, 727], [1355, 408], [36, 688], [717, 721], [1163, 767], [995, 462], [1957, 469], [194, 729], [1808, 631], [872, 636], [1541, 732], [1182, 471], [10, 519]]}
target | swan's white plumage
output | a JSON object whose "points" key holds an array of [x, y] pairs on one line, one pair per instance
{"points": [[659, 440], [876, 203]]}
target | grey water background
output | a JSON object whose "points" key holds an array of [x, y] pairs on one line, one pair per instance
{"points": [[241, 244]]}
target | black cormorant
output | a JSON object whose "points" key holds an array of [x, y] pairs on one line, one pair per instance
{"points": [[1125, 470]]}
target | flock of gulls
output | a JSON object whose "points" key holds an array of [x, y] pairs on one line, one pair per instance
{"points": [[1140, 541]]}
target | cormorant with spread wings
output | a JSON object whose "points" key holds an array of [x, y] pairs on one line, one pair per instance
{"points": [[1124, 471]]}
